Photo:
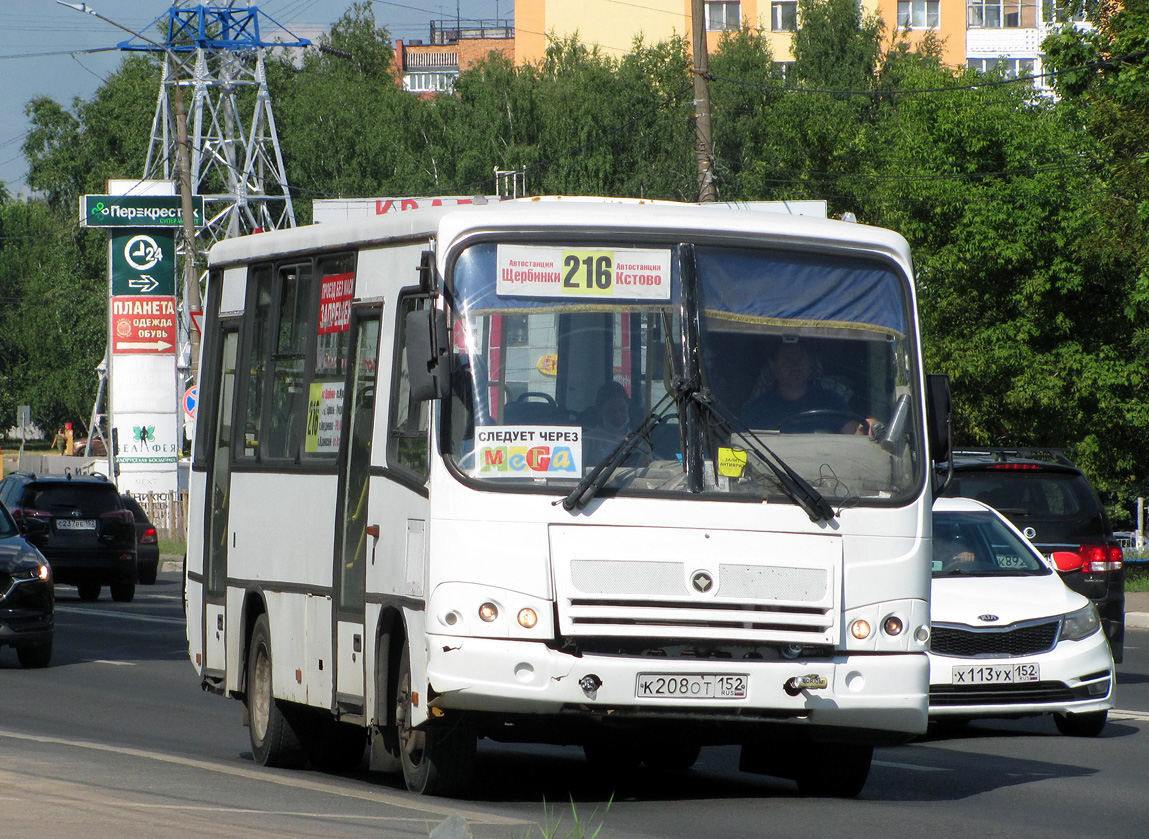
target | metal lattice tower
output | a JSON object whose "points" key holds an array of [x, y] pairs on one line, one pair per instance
{"points": [[215, 57]]}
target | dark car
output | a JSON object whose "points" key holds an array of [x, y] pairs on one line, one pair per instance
{"points": [[27, 599], [147, 542], [81, 526], [1053, 504]]}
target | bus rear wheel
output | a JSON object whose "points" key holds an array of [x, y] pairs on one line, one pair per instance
{"points": [[275, 736], [437, 759]]}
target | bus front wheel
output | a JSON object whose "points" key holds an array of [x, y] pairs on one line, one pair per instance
{"points": [[275, 737], [437, 759]]}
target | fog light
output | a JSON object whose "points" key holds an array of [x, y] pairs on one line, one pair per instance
{"points": [[452, 618], [860, 629], [488, 612], [1099, 688], [892, 625], [527, 618], [923, 634]]}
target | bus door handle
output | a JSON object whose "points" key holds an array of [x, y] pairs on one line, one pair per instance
{"points": [[373, 532]]}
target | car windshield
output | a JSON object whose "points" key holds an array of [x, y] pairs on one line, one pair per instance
{"points": [[979, 544], [7, 525], [1028, 494], [727, 354]]}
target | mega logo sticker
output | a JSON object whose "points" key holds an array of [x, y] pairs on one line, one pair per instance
{"points": [[528, 451]]}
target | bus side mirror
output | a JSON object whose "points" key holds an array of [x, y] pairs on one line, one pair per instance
{"points": [[939, 409], [425, 345]]}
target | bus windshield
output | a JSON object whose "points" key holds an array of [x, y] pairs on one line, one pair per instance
{"points": [[727, 361]]}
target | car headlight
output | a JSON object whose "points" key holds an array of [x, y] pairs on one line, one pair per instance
{"points": [[1080, 624]]}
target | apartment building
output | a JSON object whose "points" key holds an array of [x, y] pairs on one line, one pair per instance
{"points": [[431, 66], [977, 33]]}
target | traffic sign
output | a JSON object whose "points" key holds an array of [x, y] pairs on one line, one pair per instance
{"points": [[190, 396], [137, 211], [144, 263]]}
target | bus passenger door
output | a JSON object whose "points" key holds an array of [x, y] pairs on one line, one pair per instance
{"points": [[218, 512], [352, 541]]}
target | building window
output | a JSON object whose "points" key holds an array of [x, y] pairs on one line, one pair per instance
{"points": [[1001, 14], [723, 16], [784, 67], [1062, 13], [919, 14], [429, 82], [784, 16], [1011, 68]]}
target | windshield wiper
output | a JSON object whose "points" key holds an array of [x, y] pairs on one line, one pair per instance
{"points": [[793, 484], [589, 486]]}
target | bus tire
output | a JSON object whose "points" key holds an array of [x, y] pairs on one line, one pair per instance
{"points": [[275, 736], [834, 770], [436, 759]]}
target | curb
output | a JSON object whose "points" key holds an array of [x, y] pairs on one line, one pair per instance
{"points": [[1138, 620]]}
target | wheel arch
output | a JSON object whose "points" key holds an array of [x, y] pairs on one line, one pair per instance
{"points": [[254, 605]]}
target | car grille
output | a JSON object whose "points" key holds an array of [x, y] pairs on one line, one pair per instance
{"points": [[1020, 694], [1024, 639]]}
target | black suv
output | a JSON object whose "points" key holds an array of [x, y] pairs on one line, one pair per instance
{"points": [[80, 525], [1050, 501], [27, 599]]}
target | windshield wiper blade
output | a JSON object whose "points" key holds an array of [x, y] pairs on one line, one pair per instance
{"points": [[596, 479], [794, 485]]}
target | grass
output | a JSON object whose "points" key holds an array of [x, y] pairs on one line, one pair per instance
{"points": [[1136, 575], [178, 547]]}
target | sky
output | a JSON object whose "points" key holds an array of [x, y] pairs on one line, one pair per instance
{"points": [[42, 46]]}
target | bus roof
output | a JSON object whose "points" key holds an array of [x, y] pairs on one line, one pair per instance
{"points": [[610, 215]]}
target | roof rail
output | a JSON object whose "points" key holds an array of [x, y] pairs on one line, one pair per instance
{"points": [[1004, 453]]}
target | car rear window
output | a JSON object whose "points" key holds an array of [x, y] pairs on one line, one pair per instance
{"points": [[1038, 495], [90, 499]]}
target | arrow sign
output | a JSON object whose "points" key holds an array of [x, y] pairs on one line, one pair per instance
{"points": [[143, 346], [144, 284]]}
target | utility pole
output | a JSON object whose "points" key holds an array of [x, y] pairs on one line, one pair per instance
{"points": [[705, 147]]}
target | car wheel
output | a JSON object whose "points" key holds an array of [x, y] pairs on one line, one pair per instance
{"points": [[34, 655], [123, 592], [88, 591], [436, 759], [274, 729], [834, 770], [1081, 725]]}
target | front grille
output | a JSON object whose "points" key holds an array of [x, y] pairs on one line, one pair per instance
{"points": [[1017, 640], [943, 696]]}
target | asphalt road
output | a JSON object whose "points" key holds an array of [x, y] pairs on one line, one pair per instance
{"points": [[115, 739]]}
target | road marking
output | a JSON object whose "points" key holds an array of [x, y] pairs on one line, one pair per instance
{"points": [[71, 610], [114, 663], [890, 764], [269, 776], [192, 808], [1136, 716]]}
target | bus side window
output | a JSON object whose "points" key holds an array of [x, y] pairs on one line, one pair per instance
{"points": [[407, 434], [288, 400]]}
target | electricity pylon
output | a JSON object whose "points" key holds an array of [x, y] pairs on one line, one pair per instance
{"points": [[215, 54]]}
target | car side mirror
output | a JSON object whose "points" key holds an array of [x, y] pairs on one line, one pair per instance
{"points": [[1066, 561]]}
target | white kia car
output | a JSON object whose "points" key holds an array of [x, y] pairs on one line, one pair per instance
{"points": [[1010, 639]]}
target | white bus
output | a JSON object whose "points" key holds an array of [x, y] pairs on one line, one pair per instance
{"points": [[539, 471]]}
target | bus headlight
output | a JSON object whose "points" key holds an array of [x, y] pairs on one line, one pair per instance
{"points": [[528, 618], [488, 612], [860, 629]]}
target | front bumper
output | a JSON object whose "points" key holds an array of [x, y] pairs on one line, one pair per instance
{"points": [[1075, 677], [877, 693]]}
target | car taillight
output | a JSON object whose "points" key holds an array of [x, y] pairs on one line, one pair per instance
{"points": [[28, 513], [1101, 558], [120, 516], [148, 537]]}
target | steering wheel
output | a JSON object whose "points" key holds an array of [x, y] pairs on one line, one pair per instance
{"points": [[819, 421]]}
